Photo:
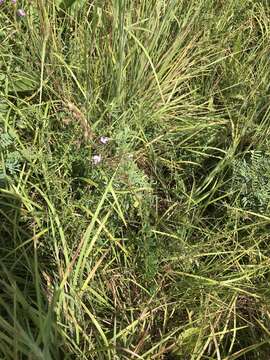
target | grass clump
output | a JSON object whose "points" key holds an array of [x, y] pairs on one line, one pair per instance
{"points": [[134, 194]]}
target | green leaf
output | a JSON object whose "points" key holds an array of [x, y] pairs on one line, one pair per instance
{"points": [[4, 108], [188, 339], [23, 82], [65, 4]]}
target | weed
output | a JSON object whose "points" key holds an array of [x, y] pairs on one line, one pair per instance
{"points": [[134, 179]]}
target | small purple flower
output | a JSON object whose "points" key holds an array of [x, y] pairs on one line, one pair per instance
{"points": [[104, 140], [21, 13], [13, 1], [96, 159], [2, 1]]}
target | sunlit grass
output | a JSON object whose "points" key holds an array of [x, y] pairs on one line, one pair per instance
{"points": [[149, 245]]}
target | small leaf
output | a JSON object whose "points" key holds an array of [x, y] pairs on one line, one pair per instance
{"points": [[66, 4], [4, 107], [188, 333], [23, 82], [5, 140]]}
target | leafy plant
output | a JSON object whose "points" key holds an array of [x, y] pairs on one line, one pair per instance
{"points": [[252, 181], [10, 157], [114, 239]]}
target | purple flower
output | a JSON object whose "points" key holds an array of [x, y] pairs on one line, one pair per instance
{"points": [[1, 1], [13, 1], [96, 159], [104, 140], [21, 13]]}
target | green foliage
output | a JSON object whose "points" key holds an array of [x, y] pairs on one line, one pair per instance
{"points": [[160, 248], [252, 178], [10, 157]]}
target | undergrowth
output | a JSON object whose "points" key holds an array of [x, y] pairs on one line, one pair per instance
{"points": [[134, 179]]}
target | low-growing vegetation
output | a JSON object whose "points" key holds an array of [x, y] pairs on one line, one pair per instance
{"points": [[134, 179]]}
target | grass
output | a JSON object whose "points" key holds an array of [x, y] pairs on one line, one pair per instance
{"points": [[161, 250]]}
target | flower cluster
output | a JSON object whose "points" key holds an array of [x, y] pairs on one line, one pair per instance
{"points": [[20, 12], [97, 158]]}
